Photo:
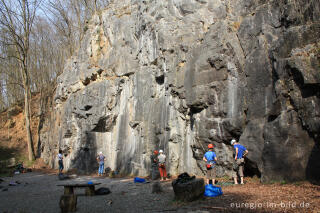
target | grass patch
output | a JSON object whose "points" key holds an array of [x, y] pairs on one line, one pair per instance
{"points": [[25, 161], [178, 203], [225, 177], [298, 183], [283, 182]]}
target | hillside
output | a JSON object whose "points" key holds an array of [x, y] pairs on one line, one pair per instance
{"points": [[13, 142]]}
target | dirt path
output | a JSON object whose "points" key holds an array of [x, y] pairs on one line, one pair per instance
{"points": [[39, 192]]}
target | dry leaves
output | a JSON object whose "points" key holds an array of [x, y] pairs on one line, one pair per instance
{"points": [[296, 197]]}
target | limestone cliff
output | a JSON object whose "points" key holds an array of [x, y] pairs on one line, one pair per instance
{"points": [[180, 74]]}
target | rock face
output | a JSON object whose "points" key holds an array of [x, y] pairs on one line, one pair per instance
{"points": [[180, 74]]}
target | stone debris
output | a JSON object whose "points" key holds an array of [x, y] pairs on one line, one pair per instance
{"points": [[109, 202], [62, 176]]}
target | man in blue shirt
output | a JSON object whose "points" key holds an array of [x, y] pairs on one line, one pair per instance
{"points": [[210, 158], [241, 151]]}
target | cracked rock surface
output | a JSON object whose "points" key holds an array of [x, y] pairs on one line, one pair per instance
{"points": [[180, 74]]}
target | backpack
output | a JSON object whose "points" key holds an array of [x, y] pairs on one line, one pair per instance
{"points": [[162, 165]]}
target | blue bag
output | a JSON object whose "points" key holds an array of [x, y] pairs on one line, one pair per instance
{"points": [[139, 180], [212, 191]]}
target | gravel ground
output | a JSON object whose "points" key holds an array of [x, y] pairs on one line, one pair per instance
{"points": [[39, 193]]}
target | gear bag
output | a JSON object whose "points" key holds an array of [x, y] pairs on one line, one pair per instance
{"points": [[212, 191]]}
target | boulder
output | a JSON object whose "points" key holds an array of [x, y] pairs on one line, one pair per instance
{"points": [[188, 188], [107, 171], [62, 176], [102, 191]]}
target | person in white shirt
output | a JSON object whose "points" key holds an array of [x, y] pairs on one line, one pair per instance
{"points": [[60, 161], [162, 166]]}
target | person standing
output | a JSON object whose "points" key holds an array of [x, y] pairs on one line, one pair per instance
{"points": [[210, 158], [162, 166], [101, 158], [60, 161], [154, 165], [240, 152]]}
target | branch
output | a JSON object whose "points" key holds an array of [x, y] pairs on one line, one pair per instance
{"points": [[8, 23], [15, 83]]}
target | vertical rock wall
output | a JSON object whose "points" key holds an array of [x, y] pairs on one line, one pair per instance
{"points": [[180, 74]]}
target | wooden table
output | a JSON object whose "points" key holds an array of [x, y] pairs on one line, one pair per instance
{"points": [[69, 188]]}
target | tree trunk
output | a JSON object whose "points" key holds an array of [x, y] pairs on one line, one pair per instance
{"points": [[27, 89], [27, 116], [41, 120]]}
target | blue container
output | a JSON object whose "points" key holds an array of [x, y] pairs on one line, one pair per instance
{"points": [[212, 191], [139, 180]]}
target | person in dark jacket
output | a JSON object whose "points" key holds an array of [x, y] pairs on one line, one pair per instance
{"points": [[154, 165]]}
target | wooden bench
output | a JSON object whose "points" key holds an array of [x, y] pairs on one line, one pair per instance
{"points": [[68, 188]]}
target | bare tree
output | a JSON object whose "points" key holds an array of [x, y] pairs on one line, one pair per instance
{"points": [[16, 21], [33, 48], [46, 63]]}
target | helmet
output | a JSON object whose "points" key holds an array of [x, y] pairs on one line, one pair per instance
{"points": [[160, 151], [155, 152], [233, 141], [100, 153], [210, 146]]}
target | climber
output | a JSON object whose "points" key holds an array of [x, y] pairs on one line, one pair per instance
{"points": [[100, 159], [210, 158], [162, 166], [60, 161], [154, 165], [241, 151]]}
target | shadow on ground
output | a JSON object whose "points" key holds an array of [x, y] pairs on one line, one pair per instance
{"points": [[6, 153]]}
